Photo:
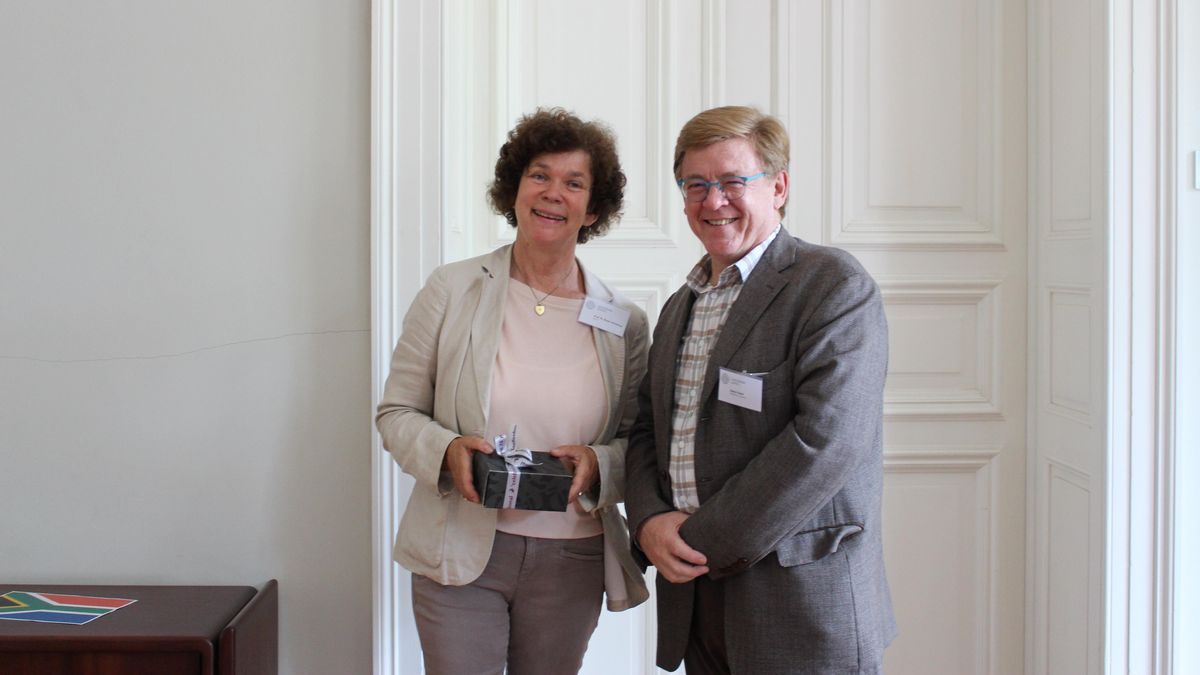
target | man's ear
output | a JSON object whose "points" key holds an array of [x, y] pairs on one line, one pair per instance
{"points": [[781, 189]]}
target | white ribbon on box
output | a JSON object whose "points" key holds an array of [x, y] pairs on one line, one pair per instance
{"points": [[514, 459]]}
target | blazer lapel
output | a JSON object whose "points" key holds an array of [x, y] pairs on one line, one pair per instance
{"points": [[759, 290], [610, 349], [673, 322], [485, 328]]}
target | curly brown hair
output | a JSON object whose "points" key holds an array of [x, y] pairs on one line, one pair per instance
{"points": [[554, 130]]}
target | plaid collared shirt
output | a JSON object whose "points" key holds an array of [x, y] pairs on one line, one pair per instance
{"points": [[708, 317]]}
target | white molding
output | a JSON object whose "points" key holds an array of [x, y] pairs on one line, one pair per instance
{"points": [[1118, 625], [382, 205], [904, 228], [1140, 579], [1068, 262], [1046, 470], [462, 147], [1069, 235], [979, 461], [781, 27], [405, 246], [937, 404], [790, 81], [1071, 228], [1033, 115], [712, 78], [1131, 219], [513, 46], [1076, 411], [1084, 483], [937, 459], [1166, 365]]}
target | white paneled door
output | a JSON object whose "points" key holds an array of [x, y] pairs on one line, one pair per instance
{"points": [[909, 149]]}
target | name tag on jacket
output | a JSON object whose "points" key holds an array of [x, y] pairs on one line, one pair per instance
{"points": [[741, 389], [604, 315]]}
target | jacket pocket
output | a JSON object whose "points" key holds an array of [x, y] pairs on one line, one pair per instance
{"points": [[812, 545]]}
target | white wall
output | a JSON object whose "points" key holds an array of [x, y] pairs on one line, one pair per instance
{"points": [[184, 318]]}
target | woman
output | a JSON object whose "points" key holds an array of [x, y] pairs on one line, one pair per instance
{"points": [[499, 341]]}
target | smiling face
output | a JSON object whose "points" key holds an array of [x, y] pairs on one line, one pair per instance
{"points": [[730, 228], [552, 199]]}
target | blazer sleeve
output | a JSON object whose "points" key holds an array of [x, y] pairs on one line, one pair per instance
{"points": [[838, 374], [405, 415], [611, 455]]}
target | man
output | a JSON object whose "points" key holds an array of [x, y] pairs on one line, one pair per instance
{"points": [[754, 471]]}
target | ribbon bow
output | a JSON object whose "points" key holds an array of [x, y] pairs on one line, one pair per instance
{"points": [[514, 457]]}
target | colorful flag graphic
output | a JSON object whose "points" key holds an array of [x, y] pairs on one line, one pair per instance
{"points": [[56, 607]]}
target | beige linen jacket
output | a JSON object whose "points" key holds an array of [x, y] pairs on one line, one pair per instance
{"points": [[439, 389]]}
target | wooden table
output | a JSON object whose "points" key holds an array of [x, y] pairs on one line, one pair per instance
{"points": [[170, 630]]}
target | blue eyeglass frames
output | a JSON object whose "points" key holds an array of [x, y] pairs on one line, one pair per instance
{"points": [[733, 187]]}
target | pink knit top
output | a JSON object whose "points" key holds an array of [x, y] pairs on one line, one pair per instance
{"points": [[547, 381]]}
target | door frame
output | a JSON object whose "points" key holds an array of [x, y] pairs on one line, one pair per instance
{"points": [[406, 232], [1140, 579], [406, 226]]}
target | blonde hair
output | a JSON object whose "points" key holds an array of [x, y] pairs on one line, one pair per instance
{"points": [[764, 132]]}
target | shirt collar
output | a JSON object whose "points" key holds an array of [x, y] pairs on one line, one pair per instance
{"points": [[738, 272]]}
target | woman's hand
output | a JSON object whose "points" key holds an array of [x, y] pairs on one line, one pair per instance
{"points": [[581, 461], [458, 461]]}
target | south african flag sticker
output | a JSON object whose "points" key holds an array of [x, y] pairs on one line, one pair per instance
{"points": [[56, 607]]}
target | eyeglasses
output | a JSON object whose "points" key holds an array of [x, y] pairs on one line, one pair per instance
{"points": [[696, 190]]}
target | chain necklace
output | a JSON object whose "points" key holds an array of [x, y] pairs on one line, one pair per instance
{"points": [[539, 306]]}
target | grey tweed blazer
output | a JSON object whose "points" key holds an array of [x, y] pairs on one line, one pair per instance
{"points": [[789, 497]]}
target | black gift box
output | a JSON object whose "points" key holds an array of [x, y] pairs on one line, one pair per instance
{"points": [[542, 487]]}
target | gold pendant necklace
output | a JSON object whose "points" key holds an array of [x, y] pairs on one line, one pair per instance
{"points": [[539, 306]]}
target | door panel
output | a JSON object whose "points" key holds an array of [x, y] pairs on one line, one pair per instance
{"points": [[907, 121], [1070, 314]]}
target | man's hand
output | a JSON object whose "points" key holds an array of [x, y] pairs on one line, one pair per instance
{"points": [[676, 561], [458, 461], [581, 461]]}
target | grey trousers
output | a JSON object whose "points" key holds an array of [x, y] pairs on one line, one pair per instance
{"points": [[534, 607]]}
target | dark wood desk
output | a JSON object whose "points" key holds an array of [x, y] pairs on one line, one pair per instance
{"points": [[170, 630]]}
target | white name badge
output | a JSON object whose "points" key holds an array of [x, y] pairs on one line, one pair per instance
{"points": [[740, 389], [604, 315]]}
